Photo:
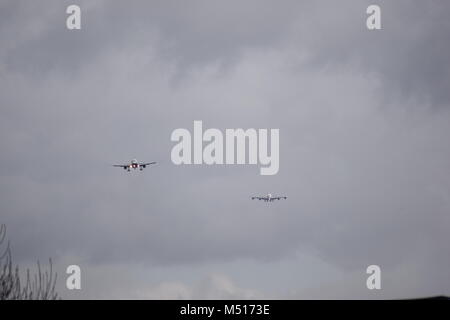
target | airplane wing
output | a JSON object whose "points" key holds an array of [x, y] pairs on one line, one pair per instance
{"points": [[121, 165], [143, 165], [279, 198], [259, 198]]}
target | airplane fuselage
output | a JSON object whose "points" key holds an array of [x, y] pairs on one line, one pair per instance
{"points": [[134, 164]]}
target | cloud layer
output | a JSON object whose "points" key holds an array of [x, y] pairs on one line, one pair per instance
{"points": [[364, 161]]}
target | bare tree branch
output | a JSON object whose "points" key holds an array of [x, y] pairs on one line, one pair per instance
{"points": [[42, 287]]}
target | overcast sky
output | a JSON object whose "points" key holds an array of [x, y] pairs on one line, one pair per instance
{"points": [[364, 120]]}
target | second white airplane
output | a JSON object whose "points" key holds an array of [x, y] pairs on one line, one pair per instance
{"points": [[269, 198], [134, 165]]}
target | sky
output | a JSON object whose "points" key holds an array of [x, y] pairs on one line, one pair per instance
{"points": [[364, 156]]}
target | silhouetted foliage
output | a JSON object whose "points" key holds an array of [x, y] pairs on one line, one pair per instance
{"points": [[40, 286]]}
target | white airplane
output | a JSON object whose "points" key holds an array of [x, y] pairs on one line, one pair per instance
{"points": [[134, 165], [268, 198]]}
